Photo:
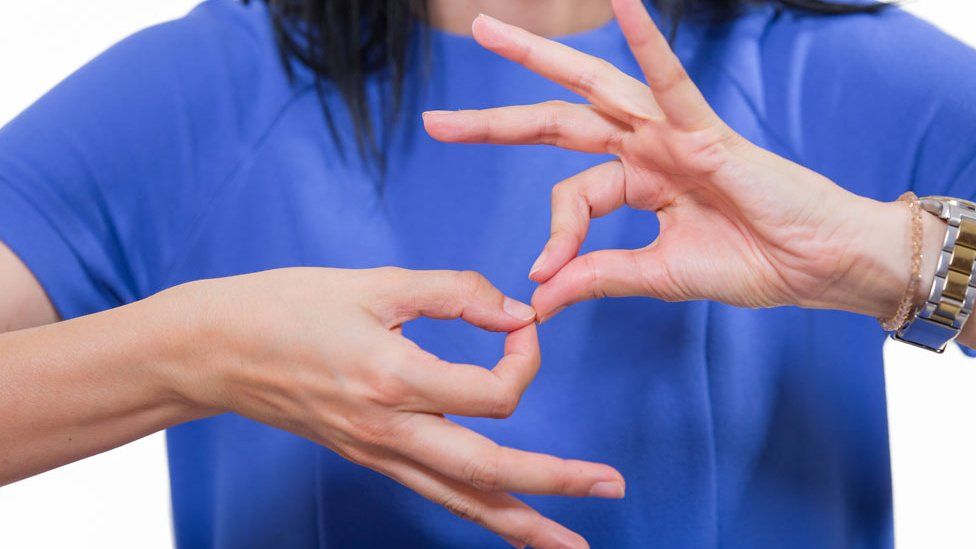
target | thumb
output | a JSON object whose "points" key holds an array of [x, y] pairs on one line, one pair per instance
{"points": [[460, 294], [606, 273]]}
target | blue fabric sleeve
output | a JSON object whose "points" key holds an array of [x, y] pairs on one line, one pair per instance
{"points": [[879, 103], [102, 178]]}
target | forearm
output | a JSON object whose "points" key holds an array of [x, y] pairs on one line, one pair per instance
{"points": [[76, 388]]}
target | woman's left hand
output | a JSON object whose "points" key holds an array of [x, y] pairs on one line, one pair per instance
{"points": [[738, 224]]}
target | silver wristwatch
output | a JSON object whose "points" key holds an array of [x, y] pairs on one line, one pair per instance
{"points": [[950, 301]]}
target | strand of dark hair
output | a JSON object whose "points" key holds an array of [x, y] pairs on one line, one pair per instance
{"points": [[344, 42]]}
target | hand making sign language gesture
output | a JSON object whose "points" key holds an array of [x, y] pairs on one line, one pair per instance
{"points": [[739, 224]]}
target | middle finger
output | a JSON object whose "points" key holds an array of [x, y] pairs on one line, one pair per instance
{"points": [[466, 456], [603, 84]]}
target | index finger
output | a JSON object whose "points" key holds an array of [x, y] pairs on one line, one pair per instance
{"points": [[439, 387], [603, 84]]}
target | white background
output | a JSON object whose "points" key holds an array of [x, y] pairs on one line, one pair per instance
{"points": [[121, 498]]}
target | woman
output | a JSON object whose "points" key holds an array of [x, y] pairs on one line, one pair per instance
{"points": [[744, 403]]}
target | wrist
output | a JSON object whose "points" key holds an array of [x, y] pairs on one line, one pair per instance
{"points": [[181, 349], [878, 264]]}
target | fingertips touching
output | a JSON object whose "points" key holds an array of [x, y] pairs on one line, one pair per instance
{"points": [[518, 310]]}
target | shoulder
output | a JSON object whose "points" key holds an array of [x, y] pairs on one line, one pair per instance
{"points": [[124, 155], [874, 101], [218, 63], [184, 100], [872, 62], [890, 46]]}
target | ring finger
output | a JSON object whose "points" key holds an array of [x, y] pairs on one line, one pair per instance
{"points": [[501, 513]]}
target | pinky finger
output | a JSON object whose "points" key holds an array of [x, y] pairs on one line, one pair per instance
{"points": [[503, 514]]}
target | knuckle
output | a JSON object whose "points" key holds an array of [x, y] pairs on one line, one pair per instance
{"points": [[551, 128], [484, 473], [586, 82], [594, 277], [672, 74], [562, 481], [370, 431], [590, 78], [470, 283], [534, 531], [383, 380], [462, 507], [505, 404], [383, 284], [374, 431], [387, 390], [524, 54], [357, 455], [569, 207], [615, 142], [486, 130], [562, 190]]}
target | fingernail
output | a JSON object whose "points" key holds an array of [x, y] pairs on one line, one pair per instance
{"points": [[514, 542], [518, 309], [434, 113], [487, 17], [538, 263], [555, 312], [496, 32], [609, 490]]}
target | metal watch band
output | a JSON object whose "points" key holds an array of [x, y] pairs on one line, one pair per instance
{"points": [[950, 301]]}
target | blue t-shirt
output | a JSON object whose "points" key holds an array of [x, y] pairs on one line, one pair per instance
{"points": [[185, 153]]}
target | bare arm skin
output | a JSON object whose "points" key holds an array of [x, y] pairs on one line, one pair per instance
{"points": [[76, 388], [23, 303], [80, 387], [739, 224], [317, 352]]}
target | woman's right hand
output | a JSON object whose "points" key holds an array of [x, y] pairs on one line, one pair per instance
{"points": [[320, 353]]}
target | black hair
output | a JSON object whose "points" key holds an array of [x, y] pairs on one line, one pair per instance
{"points": [[344, 42]]}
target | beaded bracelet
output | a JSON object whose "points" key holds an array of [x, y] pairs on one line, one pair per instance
{"points": [[905, 308]]}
